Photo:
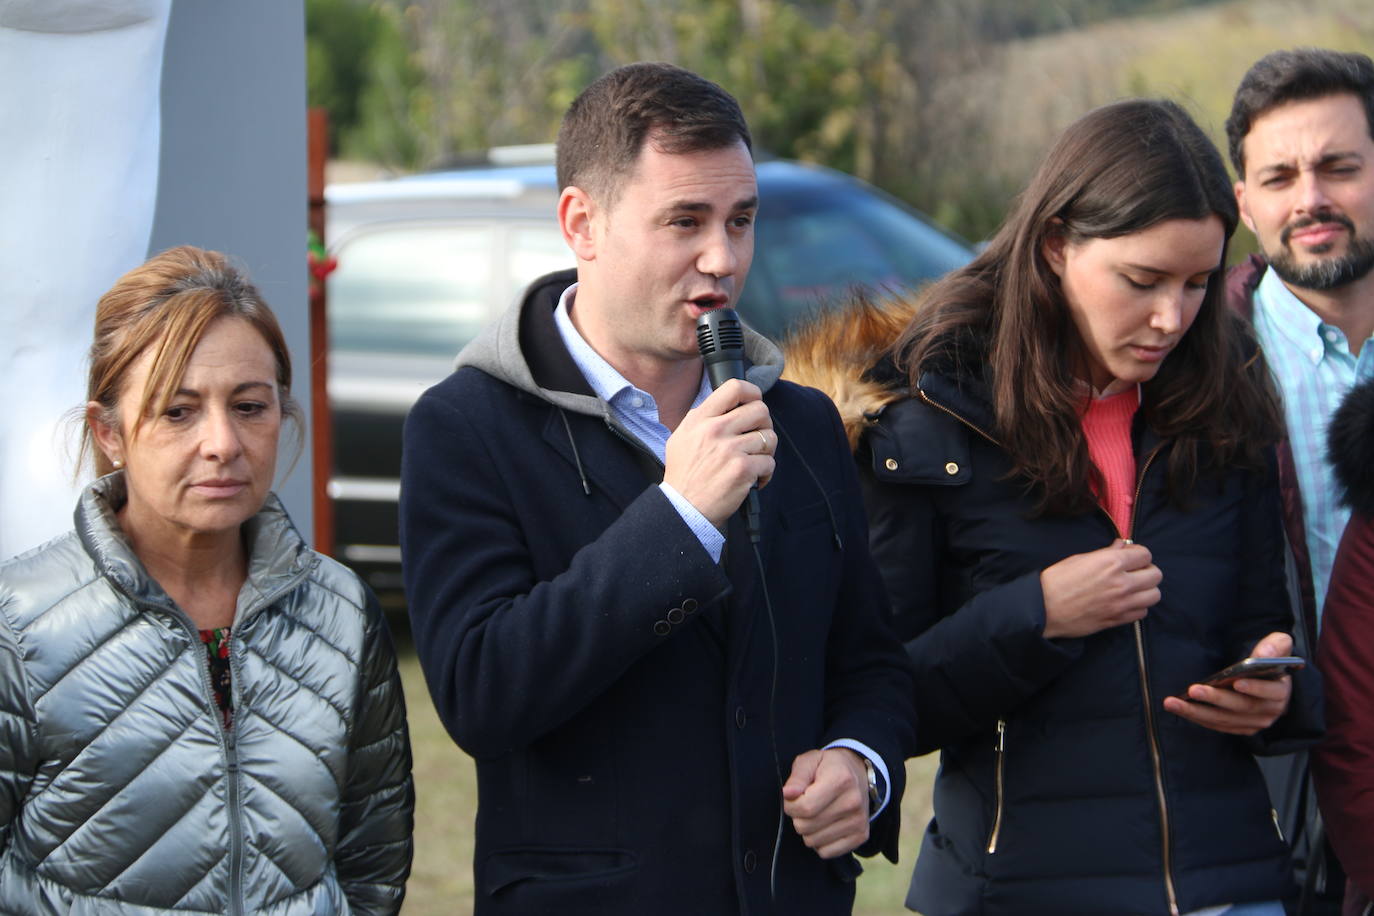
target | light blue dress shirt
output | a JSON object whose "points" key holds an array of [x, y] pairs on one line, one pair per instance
{"points": [[637, 411], [1314, 368]]}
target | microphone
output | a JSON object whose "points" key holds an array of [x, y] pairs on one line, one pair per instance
{"points": [[720, 338]]}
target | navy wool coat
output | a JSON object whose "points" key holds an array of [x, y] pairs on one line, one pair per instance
{"points": [[630, 704]]}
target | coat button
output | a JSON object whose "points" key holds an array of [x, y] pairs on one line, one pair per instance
{"points": [[740, 717], [675, 615], [689, 605], [751, 861], [951, 469], [890, 464], [662, 628]]}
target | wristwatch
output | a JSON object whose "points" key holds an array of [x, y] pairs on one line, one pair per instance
{"points": [[874, 799]]}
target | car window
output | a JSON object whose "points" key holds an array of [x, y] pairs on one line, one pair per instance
{"points": [[415, 289], [534, 250], [813, 246]]}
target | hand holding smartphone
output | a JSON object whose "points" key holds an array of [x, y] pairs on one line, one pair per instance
{"points": [[1214, 702], [1267, 669]]}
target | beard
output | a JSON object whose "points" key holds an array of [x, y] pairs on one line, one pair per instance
{"points": [[1324, 273]]}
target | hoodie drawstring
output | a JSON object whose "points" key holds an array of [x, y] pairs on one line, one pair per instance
{"points": [[577, 459], [829, 509]]}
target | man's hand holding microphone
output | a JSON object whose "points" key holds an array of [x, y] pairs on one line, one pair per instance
{"points": [[724, 446]]}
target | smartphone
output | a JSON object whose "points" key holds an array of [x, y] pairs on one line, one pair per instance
{"points": [[1269, 669]]}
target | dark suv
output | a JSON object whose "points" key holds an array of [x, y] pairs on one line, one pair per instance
{"points": [[425, 261]]}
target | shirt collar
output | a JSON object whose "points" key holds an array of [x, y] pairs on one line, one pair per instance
{"points": [[605, 380], [1114, 387], [1293, 320]]}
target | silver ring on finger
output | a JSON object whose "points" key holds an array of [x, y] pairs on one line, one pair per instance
{"points": [[764, 440]]}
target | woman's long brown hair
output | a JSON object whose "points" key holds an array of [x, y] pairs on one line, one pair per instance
{"points": [[1120, 169]]}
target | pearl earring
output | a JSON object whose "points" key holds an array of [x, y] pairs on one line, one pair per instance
{"points": [[118, 463]]}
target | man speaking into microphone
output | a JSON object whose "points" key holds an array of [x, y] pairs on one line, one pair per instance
{"points": [[668, 715]]}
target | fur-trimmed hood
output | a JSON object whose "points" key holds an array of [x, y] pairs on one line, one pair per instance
{"points": [[837, 350], [1350, 445]]}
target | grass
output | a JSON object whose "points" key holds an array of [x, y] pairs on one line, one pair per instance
{"points": [[446, 804]]}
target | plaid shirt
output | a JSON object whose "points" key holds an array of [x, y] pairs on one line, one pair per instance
{"points": [[1314, 369]]}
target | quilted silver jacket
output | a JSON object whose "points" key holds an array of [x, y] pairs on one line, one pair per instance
{"points": [[121, 792]]}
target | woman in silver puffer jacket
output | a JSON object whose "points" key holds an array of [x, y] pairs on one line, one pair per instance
{"points": [[198, 713]]}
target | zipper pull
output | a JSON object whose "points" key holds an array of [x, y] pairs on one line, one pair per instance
{"points": [[1001, 736]]}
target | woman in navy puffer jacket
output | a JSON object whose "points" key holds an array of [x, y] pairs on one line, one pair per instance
{"points": [[1069, 470]]}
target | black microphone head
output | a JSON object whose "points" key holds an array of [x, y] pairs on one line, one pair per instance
{"points": [[720, 338], [720, 330]]}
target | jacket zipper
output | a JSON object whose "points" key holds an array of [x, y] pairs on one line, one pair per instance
{"points": [[1000, 748], [235, 835], [625, 436], [232, 766], [236, 903], [228, 744], [1156, 758], [230, 751], [943, 409]]}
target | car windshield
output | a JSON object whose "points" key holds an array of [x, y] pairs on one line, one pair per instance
{"points": [[813, 245]]}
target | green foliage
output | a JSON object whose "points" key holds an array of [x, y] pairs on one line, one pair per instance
{"points": [[794, 78], [947, 104], [358, 68]]}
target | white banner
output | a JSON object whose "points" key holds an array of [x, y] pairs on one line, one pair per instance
{"points": [[79, 146]]}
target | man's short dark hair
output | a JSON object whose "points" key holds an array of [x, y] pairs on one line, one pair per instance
{"points": [[1297, 75], [608, 124]]}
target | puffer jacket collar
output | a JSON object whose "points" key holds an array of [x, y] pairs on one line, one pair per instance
{"points": [[966, 397], [906, 447], [278, 557]]}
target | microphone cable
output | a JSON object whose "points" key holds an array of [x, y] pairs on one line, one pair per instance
{"points": [[720, 341], [773, 631], [772, 722]]}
